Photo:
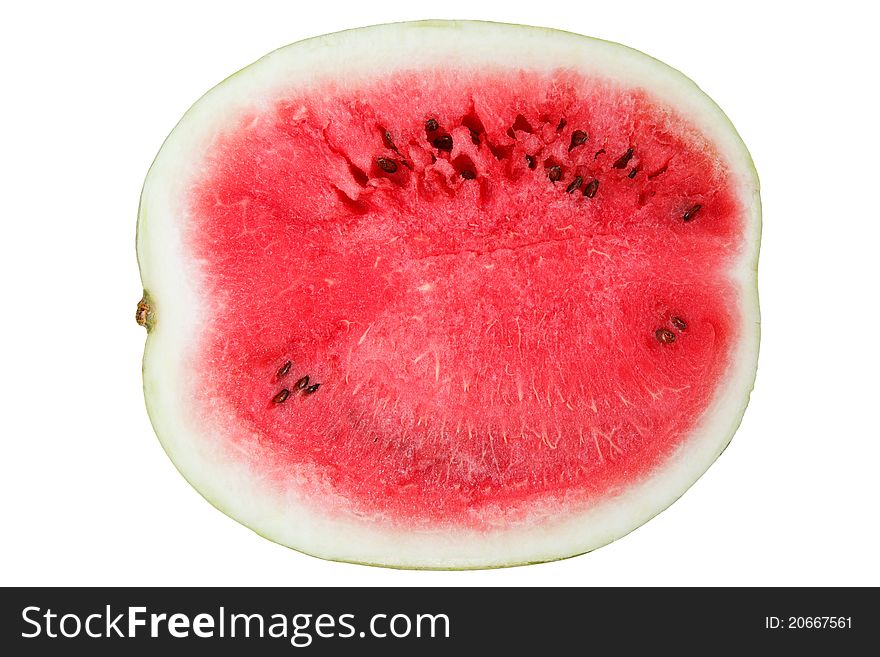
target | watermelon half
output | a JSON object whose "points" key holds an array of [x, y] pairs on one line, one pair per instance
{"points": [[449, 294]]}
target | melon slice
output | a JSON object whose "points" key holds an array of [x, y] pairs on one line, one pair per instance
{"points": [[449, 294]]}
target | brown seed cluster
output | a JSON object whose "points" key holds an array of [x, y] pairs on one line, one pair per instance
{"points": [[665, 336], [578, 138], [302, 385], [441, 140]]}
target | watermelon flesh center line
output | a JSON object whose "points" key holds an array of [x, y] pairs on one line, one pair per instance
{"points": [[488, 342]]}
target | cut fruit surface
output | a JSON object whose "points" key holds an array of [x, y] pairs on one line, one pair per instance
{"points": [[484, 296]]}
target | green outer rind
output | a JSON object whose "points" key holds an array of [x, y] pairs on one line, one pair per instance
{"points": [[153, 412]]}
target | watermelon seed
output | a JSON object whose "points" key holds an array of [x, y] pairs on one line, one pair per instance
{"points": [[281, 397], [443, 143], [574, 184], [467, 174], [598, 153], [632, 173], [591, 188], [475, 136], [664, 336], [530, 161], [431, 125], [578, 137], [692, 212], [284, 370], [623, 160], [561, 124], [678, 323], [388, 140], [387, 164], [312, 388], [555, 173], [302, 382]]}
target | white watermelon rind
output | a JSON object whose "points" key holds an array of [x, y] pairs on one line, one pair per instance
{"points": [[173, 283]]}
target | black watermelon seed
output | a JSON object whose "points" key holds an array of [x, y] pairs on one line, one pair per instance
{"points": [[281, 397], [632, 173], [530, 161], [467, 174], [443, 143], [578, 137], [554, 173], [303, 382], [574, 184], [623, 160], [664, 336], [431, 125], [678, 323], [692, 212], [312, 388], [561, 124], [387, 164], [591, 188], [284, 370]]}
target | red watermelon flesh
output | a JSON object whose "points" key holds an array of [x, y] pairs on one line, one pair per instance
{"points": [[457, 299]]}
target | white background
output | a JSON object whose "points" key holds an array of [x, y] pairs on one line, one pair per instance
{"points": [[89, 91]]}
